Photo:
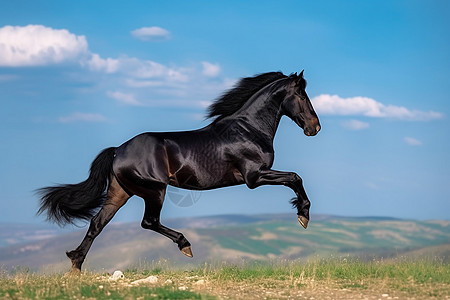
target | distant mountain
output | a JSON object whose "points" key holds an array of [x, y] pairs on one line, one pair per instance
{"points": [[230, 238], [12, 234]]}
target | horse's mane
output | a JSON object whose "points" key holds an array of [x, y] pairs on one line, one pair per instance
{"points": [[232, 100]]}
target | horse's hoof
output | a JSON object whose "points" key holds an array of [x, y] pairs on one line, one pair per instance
{"points": [[303, 221], [187, 251]]}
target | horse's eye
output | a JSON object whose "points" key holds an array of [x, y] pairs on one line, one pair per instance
{"points": [[301, 95]]}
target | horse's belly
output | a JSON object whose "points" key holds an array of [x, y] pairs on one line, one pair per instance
{"points": [[198, 178]]}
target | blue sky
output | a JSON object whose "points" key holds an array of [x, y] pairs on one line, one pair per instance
{"points": [[76, 77]]}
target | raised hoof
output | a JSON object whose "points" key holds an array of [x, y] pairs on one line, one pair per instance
{"points": [[303, 221], [187, 251]]}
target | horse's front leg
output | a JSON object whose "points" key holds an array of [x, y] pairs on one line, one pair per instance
{"points": [[154, 200], [257, 178]]}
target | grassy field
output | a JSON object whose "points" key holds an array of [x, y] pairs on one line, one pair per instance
{"points": [[333, 278]]}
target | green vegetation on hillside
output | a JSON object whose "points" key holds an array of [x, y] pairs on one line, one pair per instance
{"points": [[230, 239], [364, 237]]}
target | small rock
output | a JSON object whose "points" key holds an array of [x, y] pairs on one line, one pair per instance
{"points": [[182, 288], [168, 281], [150, 279], [200, 282], [385, 295], [117, 275]]}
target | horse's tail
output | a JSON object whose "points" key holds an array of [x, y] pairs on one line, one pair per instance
{"points": [[67, 202]]}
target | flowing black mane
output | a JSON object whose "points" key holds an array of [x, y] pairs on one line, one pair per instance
{"points": [[234, 99]]}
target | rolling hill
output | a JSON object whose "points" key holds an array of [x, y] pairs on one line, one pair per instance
{"points": [[229, 238]]}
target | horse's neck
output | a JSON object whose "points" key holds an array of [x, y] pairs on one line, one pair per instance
{"points": [[263, 113]]}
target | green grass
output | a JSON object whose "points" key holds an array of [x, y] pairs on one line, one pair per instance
{"points": [[93, 286], [342, 269], [280, 279]]}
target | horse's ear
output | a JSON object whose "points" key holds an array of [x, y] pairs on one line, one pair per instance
{"points": [[300, 81]]}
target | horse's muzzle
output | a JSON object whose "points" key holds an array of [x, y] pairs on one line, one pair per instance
{"points": [[312, 131]]}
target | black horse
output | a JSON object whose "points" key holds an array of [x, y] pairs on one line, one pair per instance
{"points": [[236, 148]]}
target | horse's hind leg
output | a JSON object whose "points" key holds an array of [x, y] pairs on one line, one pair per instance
{"points": [[153, 205], [116, 198]]}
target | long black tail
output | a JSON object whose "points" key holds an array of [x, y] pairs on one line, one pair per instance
{"points": [[68, 202]]}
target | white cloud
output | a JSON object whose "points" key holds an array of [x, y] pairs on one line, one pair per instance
{"points": [[142, 70], [149, 69], [412, 141], [82, 117], [364, 106], [151, 82], [210, 70], [96, 63], [37, 45], [355, 125], [124, 98], [151, 33]]}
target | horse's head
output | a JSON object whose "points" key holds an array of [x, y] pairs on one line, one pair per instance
{"points": [[298, 107]]}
